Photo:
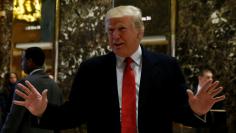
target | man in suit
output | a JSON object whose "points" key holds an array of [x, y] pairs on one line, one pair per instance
{"points": [[19, 118], [97, 95]]}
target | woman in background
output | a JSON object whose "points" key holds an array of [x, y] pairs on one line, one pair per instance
{"points": [[6, 95]]}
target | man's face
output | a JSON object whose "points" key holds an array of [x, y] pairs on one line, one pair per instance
{"points": [[124, 38], [207, 75]]}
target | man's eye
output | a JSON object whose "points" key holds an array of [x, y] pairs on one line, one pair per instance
{"points": [[122, 29]]}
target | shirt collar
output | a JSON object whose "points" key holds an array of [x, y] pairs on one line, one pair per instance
{"points": [[136, 57], [35, 70]]}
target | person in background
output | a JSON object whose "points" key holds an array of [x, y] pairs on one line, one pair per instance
{"points": [[129, 90], [204, 75], [19, 119], [6, 94]]}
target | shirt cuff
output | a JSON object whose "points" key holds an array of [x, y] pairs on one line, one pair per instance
{"points": [[202, 118]]}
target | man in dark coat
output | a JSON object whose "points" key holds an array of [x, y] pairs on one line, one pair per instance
{"points": [[19, 118], [96, 97]]}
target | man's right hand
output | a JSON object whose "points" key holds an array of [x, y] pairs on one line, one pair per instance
{"points": [[33, 100]]}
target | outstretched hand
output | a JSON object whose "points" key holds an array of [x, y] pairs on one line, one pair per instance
{"points": [[33, 100], [203, 101]]}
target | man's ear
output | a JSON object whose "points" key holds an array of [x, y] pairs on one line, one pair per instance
{"points": [[140, 34]]}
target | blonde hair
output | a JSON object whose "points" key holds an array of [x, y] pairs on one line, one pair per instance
{"points": [[122, 11]]}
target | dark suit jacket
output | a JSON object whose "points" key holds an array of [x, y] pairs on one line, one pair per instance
{"points": [[19, 118], [6, 95], [94, 97]]}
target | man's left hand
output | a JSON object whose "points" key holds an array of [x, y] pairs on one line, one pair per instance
{"points": [[203, 101]]}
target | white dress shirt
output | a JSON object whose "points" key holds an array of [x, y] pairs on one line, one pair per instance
{"points": [[136, 66]]}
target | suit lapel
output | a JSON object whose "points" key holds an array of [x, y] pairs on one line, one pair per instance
{"points": [[112, 79], [111, 71], [150, 74], [151, 70]]}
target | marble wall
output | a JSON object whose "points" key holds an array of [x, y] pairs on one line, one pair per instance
{"points": [[5, 38], [82, 36]]}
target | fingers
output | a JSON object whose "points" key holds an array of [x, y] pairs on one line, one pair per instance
{"points": [[32, 88], [214, 92], [25, 89], [20, 103], [205, 86], [212, 86], [44, 95], [21, 94], [220, 98]]}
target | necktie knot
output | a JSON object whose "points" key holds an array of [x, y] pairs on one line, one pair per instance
{"points": [[128, 61]]}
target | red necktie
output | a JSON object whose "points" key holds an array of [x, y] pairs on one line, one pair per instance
{"points": [[128, 120]]}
